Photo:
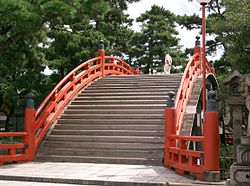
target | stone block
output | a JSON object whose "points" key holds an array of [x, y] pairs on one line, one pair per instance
{"points": [[211, 176], [243, 155], [239, 175], [245, 140]]}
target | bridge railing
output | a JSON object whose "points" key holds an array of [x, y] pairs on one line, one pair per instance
{"points": [[201, 163], [190, 75], [37, 122]]}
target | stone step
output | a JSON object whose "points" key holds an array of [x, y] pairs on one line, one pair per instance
{"points": [[116, 119], [141, 78], [92, 126], [122, 97], [102, 153], [111, 111], [131, 132], [94, 94], [133, 83], [119, 102], [145, 75], [103, 145], [117, 106], [101, 121], [120, 90], [131, 86], [113, 115], [118, 139], [117, 160]]}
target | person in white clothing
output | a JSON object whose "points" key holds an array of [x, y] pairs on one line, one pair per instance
{"points": [[168, 64]]}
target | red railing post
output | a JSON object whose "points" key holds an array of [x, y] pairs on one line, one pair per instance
{"points": [[197, 48], [101, 53], [170, 127], [211, 140], [87, 67], [29, 125]]}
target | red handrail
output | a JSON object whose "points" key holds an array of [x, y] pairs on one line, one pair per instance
{"points": [[190, 75], [69, 86], [38, 122], [177, 155]]}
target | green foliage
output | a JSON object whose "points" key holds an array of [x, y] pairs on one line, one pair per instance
{"points": [[60, 34], [228, 23], [157, 38], [189, 22], [226, 160], [233, 30]]}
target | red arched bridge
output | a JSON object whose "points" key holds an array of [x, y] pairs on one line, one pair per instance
{"points": [[104, 111]]}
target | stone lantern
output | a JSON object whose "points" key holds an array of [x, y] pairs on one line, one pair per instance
{"points": [[236, 103], [240, 95]]}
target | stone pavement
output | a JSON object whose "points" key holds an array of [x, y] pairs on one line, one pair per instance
{"points": [[28, 183], [88, 174]]}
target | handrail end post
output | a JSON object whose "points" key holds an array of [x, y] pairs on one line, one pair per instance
{"points": [[137, 70], [211, 140], [197, 47], [29, 126], [170, 127], [101, 53]]}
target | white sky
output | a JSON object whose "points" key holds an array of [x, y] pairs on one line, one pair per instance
{"points": [[179, 7]]}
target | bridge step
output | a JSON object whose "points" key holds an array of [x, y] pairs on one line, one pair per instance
{"points": [[142, 116], [119, 122], [120, 90], [116, 119], [101, 138], [104, 152], [107, 145], [112, 102], [108, 160], [109, 127], [121, 97], [112, 111], [109, 132]]}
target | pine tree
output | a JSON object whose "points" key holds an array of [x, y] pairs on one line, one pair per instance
{"points": [[157, 38]]}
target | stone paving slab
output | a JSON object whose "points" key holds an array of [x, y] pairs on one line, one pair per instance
{"points": [[23, 183], [91, 174]]}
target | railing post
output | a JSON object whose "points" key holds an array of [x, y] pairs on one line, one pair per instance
{"points": [[212, 67], [170, 127], [101, 53], [211, 140], [72, 80], [29, 125], [197, 47], [87, 70], [136, 71]]}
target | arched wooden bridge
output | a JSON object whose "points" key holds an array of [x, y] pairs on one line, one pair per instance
{"points": [[106, 112]]}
